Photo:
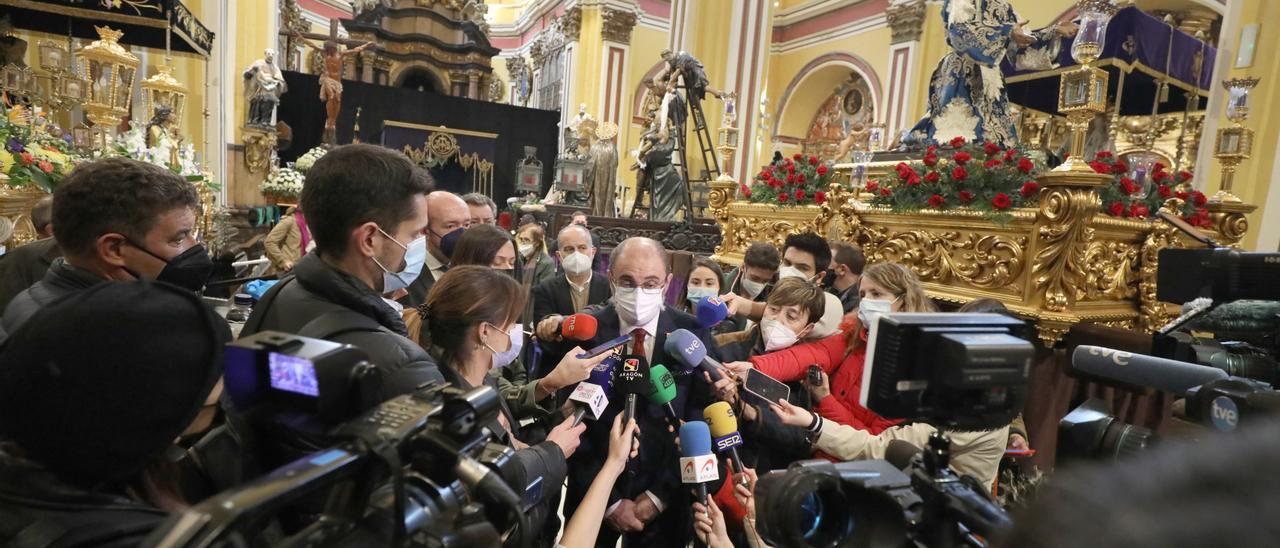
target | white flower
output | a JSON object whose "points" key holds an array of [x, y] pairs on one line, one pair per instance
{"points": [[307, 160], [283, 182]]}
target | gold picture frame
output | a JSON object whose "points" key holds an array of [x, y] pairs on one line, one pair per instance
{"points": [[1233, 143]]}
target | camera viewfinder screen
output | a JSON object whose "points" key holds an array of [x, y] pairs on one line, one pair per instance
{"points": [[293, 374]]}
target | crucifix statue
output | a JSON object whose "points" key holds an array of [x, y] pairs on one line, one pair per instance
{"points": [[331, 77]]}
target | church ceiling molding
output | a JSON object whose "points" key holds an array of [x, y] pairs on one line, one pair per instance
{"points": [[848, 60], [827, 24]]}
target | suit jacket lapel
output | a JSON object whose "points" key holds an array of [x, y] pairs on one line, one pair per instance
{"points": [[666, 324], [564, 299], [599, 291]]}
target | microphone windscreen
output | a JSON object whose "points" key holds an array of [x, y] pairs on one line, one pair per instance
{"points": [[578, 327], [633, 376], [720, 419], [1138, 370], [664, 385], [711, 311], [602, 375], [686, 347], [695, 439], [900, 452]]}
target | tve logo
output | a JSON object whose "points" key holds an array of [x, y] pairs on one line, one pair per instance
{"points": [[1224, 414]]}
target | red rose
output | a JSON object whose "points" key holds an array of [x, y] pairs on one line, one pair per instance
{"points": [[800, 178], [962, 157], [1099, 167], [1138, 209], [991, 148], [957, 142], [1128, 186], [1182, 195], [913, 179], [991, 163], [931, 149], [886, 192], [1119, 167], [1001, 201], [813, 160], [791, 179], [746, 192], [901, 167], [936, 200], [822, 170], [26, 157], [1165, 191], [966, 196], [1029, 188], [1184, 176], [797, 157], [1025, 165], [1010, 154], [820, 196], [45, 166], [1159, 167], [1103, 155], [782, 197], [930, 160], [799, 194], [791, 168], [1198, 198], [932, 177], [959, 174], [872, 186], [1160, 176], [1116, 209]]}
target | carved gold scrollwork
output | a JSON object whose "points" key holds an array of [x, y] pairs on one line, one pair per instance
{"points": [[1058, 267], [1155, 314], [1111, 270], [988, 261], [718, 203]]}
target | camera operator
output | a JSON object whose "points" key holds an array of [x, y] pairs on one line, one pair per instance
{"points": [[472, 318], [88, 428], [118, 219]]}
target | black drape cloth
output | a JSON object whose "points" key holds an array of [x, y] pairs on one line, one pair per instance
{"points": [[516, 127]]}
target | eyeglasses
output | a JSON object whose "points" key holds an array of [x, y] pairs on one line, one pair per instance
{"points": [[648, 288]]}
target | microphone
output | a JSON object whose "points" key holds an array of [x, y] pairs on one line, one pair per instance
{"points": [[710, 311], [724, 430], [900, 452], [664, 390], [687, 348], [588, 398], [633, 380], [697, 462], [578, 327], [1140, 370]]}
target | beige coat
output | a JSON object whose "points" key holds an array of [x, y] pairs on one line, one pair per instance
{"points": [[283, 244], [975, 454]]}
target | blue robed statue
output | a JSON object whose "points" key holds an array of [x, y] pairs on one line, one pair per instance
{"points": [[966, 93]]}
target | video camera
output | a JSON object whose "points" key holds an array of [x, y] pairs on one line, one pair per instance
{"points": [[420, 468], [957, 371]]}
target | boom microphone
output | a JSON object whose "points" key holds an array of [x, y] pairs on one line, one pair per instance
{"points": [[724, 430], [1140, 370], [578, 327], [697, 462], [664, 390], [710, 311], [687, 348]]}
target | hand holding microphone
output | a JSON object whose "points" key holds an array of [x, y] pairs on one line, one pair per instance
{"points": [[690, 351], [577, 327], [624, 444]]}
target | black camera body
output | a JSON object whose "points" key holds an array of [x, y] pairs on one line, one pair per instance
{"points": [[421, 467]]}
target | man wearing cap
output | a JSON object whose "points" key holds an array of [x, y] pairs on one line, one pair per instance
{"points": [[81, 423]]}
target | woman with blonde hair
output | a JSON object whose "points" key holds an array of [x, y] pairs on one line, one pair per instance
{"points": [[884, 288], [531, 247]]}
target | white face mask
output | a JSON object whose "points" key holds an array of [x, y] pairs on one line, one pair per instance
{"points": [[636, 307], [870, 309], [752, 287], [576, 263], [515, 334], [791, 272], [695, 294], [776, 335], [525, 250]]}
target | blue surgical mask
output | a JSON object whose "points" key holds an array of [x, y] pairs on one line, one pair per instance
{"points": [[695, 294], [415, 255]]}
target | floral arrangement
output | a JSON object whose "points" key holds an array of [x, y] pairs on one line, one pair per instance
{"points": [[1125, 197], [133, 144], [307, 160], [283, 183], [987, 178], [794, 181], [31, 155]]}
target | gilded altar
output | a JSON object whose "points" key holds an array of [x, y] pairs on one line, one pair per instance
{"points": [[1058, 264]]}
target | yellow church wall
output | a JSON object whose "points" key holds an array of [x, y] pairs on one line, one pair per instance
{"points": [[642, 55]]}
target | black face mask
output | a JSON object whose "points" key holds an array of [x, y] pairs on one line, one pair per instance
{"points": [[190, 270], [829, 279], [450, 241]]}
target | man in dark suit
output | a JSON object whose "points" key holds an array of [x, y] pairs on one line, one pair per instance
{"points": [[579, 218], [650, 504], [577, 289], [446, 214], [23, 266]]}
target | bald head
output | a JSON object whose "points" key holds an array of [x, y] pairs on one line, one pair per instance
{"points": [[638, 262], [446, 212]]}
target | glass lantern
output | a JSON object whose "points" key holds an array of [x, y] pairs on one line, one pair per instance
{"points": [[529, 172], [1238, 98], [109, 70], [1141, 170], [860, 159], [162, 89], [1092, 36]]}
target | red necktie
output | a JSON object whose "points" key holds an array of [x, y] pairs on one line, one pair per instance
{"points": [[637, 343]]}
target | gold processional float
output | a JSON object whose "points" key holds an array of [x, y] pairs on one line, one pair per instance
{"points": [[1060, 263]]}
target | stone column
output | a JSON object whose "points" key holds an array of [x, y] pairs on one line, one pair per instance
{"points": [[906, 21], [367, 59], [615, 31], [473, 84]]}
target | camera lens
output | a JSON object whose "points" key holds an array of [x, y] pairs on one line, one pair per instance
{"points": [[807, 508], [1122, 440], [1259, 368]]}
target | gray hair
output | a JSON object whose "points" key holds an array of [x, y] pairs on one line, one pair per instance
{"points": [[572, 226], [478, 199]]}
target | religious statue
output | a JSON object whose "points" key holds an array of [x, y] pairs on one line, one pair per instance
{"points": [[331, 81], [603, 169], [263, 86], [162, 135], [858, 139], [966, 93], [666, 186], [687, 67]]}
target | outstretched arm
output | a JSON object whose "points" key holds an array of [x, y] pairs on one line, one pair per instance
{"points": [[307, 42], [358, 49]]}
